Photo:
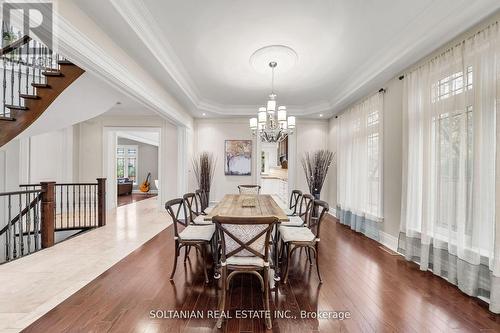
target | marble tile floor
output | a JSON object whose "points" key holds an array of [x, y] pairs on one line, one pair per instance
{"points": [[33, 285]]}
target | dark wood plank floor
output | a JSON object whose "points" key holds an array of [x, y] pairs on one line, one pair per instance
{"points": [[382, 292], [134, 197]]}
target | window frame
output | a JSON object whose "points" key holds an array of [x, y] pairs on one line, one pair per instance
{"points": [[126, 157]]}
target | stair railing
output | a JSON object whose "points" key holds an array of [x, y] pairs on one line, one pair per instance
{"points": [[37, 212], [24, 61]]}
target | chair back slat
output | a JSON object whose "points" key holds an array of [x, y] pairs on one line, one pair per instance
{"points": [[314, 224], [192, 205], [295, 197], [176, 209], [202, 199], [245, 236], [306, 207]]}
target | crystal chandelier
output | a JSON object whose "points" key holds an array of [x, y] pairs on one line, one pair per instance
{"points": [[272, 125]]}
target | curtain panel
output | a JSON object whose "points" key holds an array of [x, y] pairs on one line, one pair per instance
{"points": [[449, 146], [359, 166]]}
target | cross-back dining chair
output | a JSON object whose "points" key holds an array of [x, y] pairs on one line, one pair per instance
{"points": [[293, 205], [194, 214], [245, 244], [203, 200], [188, 235], [249, 189], [307, 237], [304, 211]]}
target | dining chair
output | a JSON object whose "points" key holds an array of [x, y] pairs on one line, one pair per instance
{"points": [[307, 237], [295, 197], [203, 200], [249, 189], [245, 248], [304, 212], [197, 236], [193, 211]]}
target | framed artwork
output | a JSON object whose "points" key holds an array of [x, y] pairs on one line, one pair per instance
{"points": [[238, 157]]}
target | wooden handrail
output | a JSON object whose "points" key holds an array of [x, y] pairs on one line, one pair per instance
{"points": [[24, 211], [15, 45], [19, 192]]}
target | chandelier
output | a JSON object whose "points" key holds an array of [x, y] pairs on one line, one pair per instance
{"points": [[272, 125]]}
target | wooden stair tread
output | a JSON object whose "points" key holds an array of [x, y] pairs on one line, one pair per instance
{"points": [[2, 118], [52, 73], [64, 62], [16, 107], [40, 85], [28, 96]]}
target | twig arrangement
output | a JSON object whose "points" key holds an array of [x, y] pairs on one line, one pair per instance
{"points": [[316, 166], [204, 169]]}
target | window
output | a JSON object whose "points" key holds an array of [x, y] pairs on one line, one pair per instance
{"points": [[126, 162], [452, 85], [359, 161]]}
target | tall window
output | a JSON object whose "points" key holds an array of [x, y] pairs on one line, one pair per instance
{"points": [[126, 162], [360, 166], [449, 146]]}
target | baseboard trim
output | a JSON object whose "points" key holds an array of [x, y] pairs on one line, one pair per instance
{"points": [[385, 239], [388, 241], [150, 192]]}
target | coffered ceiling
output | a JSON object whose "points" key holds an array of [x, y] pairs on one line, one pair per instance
{"points": [[200, 50]]}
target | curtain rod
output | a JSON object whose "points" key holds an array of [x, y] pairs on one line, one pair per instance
{"points": [[450, 48]]}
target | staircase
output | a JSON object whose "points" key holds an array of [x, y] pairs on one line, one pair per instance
{"points": [[32, 78]]}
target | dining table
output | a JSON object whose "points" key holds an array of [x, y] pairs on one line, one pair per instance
{"points": [[251, 205]]}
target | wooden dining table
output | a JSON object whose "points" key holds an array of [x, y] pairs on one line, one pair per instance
{"points": [[237, 205], [244, 205]]}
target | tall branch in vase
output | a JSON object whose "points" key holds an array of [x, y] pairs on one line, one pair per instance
{"points": [[204, 170], [316, 165]]}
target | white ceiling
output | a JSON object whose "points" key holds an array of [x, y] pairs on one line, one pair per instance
{"points": [[200, 50]]}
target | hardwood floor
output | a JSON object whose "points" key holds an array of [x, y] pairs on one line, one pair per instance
{"points": [[134, 197], [382, 292]]}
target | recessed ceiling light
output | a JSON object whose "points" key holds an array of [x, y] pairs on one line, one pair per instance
{"points": [[118, 103], [203, 114], [321, 115]]}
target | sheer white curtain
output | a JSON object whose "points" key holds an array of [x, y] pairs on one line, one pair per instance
{"points": [[448, 203], [360, 166]]}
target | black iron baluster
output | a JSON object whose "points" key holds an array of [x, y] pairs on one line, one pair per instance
{"points": [[33, 64], [19, 80], [27, 67], [4, 82], [11, 82], [35, 221], [8, 242], [28, 222], [20, 223], [61, 207], [84, 205], [95, 205], [67, 206], [74, 203], [79, 206]]}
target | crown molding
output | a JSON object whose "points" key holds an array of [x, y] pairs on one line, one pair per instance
{"points": [[84, 52], [405, 42]]}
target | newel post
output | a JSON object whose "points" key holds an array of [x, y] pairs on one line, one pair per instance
{"points": [[48, 211], [101, 202]]}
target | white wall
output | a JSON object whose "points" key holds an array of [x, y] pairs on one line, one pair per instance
{"points": [[210, 134], [91, 140], [84, 99], [311, 135]]}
